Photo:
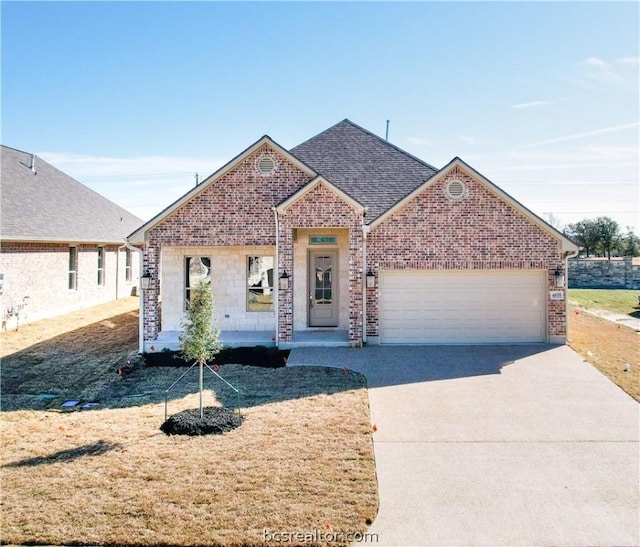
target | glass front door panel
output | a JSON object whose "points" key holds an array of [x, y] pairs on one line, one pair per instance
{"points": [[323, 269]]}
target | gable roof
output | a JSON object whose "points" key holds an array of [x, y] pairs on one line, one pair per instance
{"points": [[49, 205], [319, 180], [138, 235], [567, 244], [371, 170]]}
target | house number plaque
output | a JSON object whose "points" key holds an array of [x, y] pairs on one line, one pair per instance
{"points": [[322, 240]]}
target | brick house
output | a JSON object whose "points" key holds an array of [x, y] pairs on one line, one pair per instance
{"points": [[347, 239], [62, 245]]}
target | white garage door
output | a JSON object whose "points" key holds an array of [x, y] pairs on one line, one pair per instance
{"points": [[462, 307]]}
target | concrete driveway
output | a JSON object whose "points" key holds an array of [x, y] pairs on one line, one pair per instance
{"points": [[497, 445]]}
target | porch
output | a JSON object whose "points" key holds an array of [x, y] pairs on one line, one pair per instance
{"points": [[170, 340]]}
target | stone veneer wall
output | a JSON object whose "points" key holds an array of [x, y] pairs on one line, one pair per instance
{"points": [[604, 274]]}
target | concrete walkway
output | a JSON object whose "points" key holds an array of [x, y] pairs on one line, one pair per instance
{"points": [[497, 445]]}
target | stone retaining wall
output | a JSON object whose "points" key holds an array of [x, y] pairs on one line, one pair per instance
{"points": [[617, 273]]}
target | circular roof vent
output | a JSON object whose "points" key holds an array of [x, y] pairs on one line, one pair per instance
{"points": [[455, 189], [266, 165]]}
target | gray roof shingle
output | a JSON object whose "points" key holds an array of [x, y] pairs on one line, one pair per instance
{"points": [[51, 206], [373, 171]]}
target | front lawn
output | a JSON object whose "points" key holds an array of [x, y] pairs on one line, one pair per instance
{"points": [[301, 462], [608, 346]]}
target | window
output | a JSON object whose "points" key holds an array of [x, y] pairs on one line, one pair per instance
{"points": [[196, 269], [101, 266], [259, 283], [127, 265], [73, 268]]}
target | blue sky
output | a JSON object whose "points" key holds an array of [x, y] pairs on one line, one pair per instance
{"points": [[134, 98]]}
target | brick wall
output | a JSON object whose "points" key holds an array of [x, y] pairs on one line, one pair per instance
{"points": [[433, 231], [321, 208], [479, 231], [233, 211], [41, 272]]}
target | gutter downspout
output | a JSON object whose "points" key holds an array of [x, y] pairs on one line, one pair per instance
{"points": [[276, 281], [365, 231], [128, 245]]}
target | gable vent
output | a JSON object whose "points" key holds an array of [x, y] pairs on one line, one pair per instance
{"points": [[455, 189], [266, 165]]}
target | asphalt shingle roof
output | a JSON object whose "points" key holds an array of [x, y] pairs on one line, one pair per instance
{"points": [[369, 169], [51, 206]]}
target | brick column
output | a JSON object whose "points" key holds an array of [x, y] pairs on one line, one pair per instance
{"points": [[151, 264], [285, 297], [355, 284]]}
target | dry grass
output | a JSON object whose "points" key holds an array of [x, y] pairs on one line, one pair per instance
{"points": [[607, 346], [12, 341], [302, 460]]}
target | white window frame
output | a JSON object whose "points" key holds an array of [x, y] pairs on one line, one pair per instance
{"points": [[101, 264], [73, 268], [252, 289], [127, 265], [186, 284]]}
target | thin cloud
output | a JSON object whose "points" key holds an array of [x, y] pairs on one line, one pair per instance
{"points": [[420, 141], [143, 185], [531, 104], [577, 136], [467, 139], [628, 61], [143, 167], [621, 72]]}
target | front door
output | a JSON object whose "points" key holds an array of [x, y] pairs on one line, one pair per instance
{"points": [[323, 289]]}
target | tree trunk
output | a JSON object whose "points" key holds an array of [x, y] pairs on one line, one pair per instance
{"points": [[201, 363]]}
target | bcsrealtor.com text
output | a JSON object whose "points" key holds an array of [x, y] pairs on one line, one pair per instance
{"points": [[319, 536]]}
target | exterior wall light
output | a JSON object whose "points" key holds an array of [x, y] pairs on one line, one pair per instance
{"points": [[558, 277], [283, 281], [371, 280], [145, 281]]}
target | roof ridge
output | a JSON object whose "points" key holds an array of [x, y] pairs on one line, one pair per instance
{"points": [[384, 141], [370, 133], [18, 150], [321, 132]]}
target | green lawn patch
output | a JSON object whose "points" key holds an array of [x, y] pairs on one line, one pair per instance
{"points": [[613, 300]]}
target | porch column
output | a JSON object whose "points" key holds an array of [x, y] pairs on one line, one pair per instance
{"points": [[355, 284], [285, 297], [150, 296]]}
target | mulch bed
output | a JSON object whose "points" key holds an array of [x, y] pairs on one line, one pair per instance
{"points": [[259, 356], [216, 420]]}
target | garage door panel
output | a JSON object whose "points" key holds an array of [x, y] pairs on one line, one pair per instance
{"points": [[462, 307]]}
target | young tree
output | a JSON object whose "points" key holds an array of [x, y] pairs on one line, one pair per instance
{"points": [[200, 339]]}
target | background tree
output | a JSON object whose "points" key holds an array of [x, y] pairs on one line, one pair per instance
{"points": [[608, 232], [631, 246], [200, 339], [584, 234]]}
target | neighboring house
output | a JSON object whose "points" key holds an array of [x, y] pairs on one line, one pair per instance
{"points": [[62, 245], [347, 237]]}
